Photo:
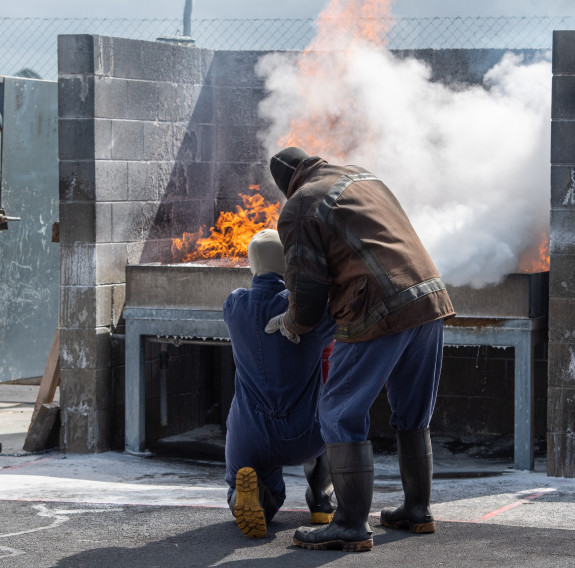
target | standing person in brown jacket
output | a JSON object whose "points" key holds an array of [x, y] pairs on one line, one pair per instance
{"points": [[348, 242]]}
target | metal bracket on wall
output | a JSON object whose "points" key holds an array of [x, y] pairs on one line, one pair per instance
{"points": [[4, 220]]}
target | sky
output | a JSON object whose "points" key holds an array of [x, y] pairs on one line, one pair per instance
{"points": [[267, 9]]}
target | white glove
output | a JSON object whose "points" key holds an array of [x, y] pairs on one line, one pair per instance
{"points": [[277, 324]]}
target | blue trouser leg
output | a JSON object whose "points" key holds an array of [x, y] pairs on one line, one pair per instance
{"points": [[408, 364]]}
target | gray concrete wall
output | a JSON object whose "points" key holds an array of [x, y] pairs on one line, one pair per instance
{"points": [[561, 391], [142, 126], [155, 140]]}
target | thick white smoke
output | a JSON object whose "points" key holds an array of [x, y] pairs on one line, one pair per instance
{"points": [[470, 164]]}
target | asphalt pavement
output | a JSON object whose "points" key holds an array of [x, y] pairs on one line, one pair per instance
{"points": [[120, 510]]}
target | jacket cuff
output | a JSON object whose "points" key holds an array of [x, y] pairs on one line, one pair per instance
{"points": [[292, 326]]}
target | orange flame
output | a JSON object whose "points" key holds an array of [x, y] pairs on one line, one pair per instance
{"points": [[537, 258], [342, 27], [230, 236]]}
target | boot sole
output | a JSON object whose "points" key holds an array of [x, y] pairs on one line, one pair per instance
{"points": [[418, 528], [360, 546], [248, 511], [321, 518]]}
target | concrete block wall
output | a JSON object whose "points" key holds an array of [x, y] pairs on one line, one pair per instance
{"points": [[155, 140], [142, 126], [561, 390]]}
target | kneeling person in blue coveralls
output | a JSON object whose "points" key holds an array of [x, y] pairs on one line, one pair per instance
{"points": [[273, 419]]}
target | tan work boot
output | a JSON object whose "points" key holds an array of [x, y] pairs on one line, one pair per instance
{"points": [[248, 510]]}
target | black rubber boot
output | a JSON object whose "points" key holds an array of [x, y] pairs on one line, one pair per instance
{"points": [[252, 503], [320, 490], [351, 469], [416, 469]]}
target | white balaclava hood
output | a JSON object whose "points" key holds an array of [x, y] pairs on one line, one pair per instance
{"points": [[266, 253]]}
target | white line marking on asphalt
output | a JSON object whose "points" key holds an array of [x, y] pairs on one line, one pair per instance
{"points": [[6, 552]]}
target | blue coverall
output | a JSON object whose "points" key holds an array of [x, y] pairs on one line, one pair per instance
{"points": [[273, 420]]}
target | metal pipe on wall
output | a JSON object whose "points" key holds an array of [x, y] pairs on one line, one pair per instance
{"points": [[188, 17]]}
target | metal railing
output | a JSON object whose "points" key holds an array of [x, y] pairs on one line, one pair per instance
{"points": [[28, 46]]}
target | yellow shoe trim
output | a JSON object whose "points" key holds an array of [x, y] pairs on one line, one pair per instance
{"points": [[321, 518]]}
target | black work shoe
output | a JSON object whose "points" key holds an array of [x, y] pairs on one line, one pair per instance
{"points": [[248, 511], [333, 537], [400, 519], [320, 490]]}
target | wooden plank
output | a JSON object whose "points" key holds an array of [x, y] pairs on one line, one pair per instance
{"points": [[43, 431], [50, 378]]}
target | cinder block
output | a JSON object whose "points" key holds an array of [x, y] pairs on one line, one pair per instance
{"points": [[143, 100], [158, 141], [563, 142], [230, 68], [207, 56], [178, 101], [562, 276], [84, 348], [206, 143], [102, 139], [118, 301], [238, 144], [143, 180], [561, 320], [75, 54], [125, 58], [187, 63], [111, 263], [564, 51], [234, 105], [111, 180], [239, 172], [194, 179], [77, 180], [562, 187], [560, 454], [77, 264], [203, 105], [127, 140], [560, 409], [561, 365], [103, 222], [103, 56], [76, 138], [76, 97], [190, 216], [167, 107], [186, 142], [563, 97], [157, 61], [77, 222], [85, 432], [111, 97], [162, 223], [77, 306], [194, 142], [562, 232], [133, 221], [85, 389]]}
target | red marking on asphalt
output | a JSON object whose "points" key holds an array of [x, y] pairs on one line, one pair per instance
{"points": [[510, 506], [33, 462]]}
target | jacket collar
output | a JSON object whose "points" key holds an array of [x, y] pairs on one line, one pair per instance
{"points": [[302, 172]]}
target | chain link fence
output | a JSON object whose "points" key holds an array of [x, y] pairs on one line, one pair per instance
{"points": [[28, 46]]}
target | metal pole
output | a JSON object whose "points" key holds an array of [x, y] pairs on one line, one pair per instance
{"points": [[188, 18]]}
